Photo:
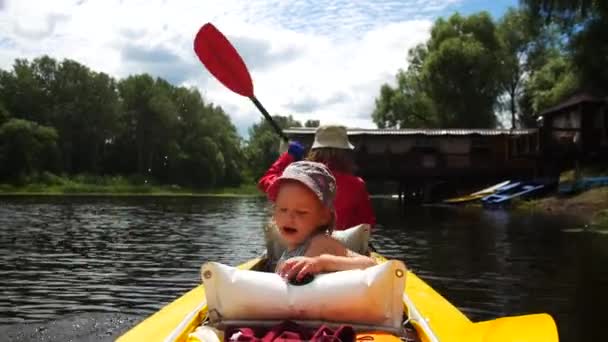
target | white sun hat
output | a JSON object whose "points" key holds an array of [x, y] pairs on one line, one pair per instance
{"points": [[332, 136]]}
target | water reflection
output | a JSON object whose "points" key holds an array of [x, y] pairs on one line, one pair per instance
{"points": [[61, 256], [496, 263]]}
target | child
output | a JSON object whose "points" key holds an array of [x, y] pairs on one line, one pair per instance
{"points": [[304, 215], [332, 148]]}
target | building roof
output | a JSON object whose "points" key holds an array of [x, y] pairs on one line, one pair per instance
{"points": [[572, 101], [416, 131]]}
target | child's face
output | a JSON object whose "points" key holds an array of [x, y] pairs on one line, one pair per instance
{"points": [[298, 212]]}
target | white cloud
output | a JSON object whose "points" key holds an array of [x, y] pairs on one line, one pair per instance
{"points": [[316, 60]]}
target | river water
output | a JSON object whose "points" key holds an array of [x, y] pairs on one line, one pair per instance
{"points": [[87, 269]]}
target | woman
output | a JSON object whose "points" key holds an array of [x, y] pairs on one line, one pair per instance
{"points": [[332, 148]]}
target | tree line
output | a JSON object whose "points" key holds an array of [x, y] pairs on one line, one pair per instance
{"points": [[473, 67], [62, 118]]}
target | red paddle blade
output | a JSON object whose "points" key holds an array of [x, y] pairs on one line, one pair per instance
{"points": [[222, 60]]}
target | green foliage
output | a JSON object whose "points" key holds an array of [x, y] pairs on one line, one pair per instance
{"points": [[263, 146], [48, 183], [589, 50], [85, 113], [515, 32], [26, 146], [471, 67], [446, 83], [527, 49], [312, 123], [139, 126], [410, 105], [4, 114], [583, 25], [463, 53], [567, 13], [552, 83]]}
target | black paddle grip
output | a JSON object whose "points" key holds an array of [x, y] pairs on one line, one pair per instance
{"points": [[269, 118]]}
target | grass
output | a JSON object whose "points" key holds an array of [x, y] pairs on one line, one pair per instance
{"points": [[584, 203], [49, 184], [585, 171], [527, 205], [591, 205]]}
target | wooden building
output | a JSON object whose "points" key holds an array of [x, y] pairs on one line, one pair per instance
{"points": [[422, 158], [576, 129]]}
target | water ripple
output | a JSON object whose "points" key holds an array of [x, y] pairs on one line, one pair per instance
{"points": [[131, 256], [61, 256]]}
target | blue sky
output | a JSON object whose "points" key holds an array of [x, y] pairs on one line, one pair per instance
{"points": [[315, 59], [495, 7]]}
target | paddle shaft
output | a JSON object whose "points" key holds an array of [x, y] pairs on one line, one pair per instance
{"points": [[269, 118]]}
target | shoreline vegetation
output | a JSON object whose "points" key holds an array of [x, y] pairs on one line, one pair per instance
{"points": [[65, 127], [86, 185], [590, 205]]}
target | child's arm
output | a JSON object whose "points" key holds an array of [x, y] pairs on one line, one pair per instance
{"points": [[324, 255], [299, 267], [334, 263]]}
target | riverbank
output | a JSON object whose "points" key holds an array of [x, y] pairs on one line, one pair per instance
{"points": [[116, 186], [590, 205]]}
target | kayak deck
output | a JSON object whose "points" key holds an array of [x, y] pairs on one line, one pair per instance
{"points": [[431, 317], [178, 319]]}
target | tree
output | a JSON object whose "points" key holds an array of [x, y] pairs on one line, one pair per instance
{"points": [[515, 35], [463, 52], [407, 106], [263, 145], [312, 123], [231, 143], [150, 122], [447, 83], [589, 50], [549, 85], [26, 90], [86, 114], [566, 12], [138, 126], [4, 114], [26, 147], [207, 140], [526, 48], [583, 24], [80, 104]]}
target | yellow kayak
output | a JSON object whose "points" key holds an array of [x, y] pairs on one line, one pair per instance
{"points": [[432, 317]]}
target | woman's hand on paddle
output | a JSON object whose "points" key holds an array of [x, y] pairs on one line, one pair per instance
{"points": [[298, 267], [296, 150]]}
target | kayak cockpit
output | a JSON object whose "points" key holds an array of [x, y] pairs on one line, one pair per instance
{"points": [[213, 326]]}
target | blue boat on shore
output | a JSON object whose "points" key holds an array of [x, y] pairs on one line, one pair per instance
{"points": [[504, 195]]}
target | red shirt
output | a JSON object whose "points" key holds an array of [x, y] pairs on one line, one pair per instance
{"points": [[352, 203]]}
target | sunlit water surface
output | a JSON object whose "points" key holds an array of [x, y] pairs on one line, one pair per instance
{"points": [[90, 268]]}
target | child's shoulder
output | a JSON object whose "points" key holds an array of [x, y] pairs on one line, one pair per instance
{"points": [[324, 243], [319, 238]]}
